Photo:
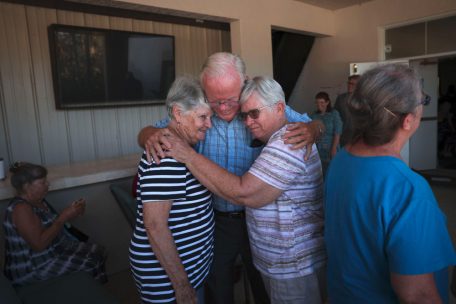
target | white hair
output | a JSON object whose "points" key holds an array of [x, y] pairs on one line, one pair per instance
{"points": [[269, 90], [223, 64], [186, 93]]}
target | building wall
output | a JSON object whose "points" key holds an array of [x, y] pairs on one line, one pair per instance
{"points": [[251, 22], [31, 129], [358, 38]]}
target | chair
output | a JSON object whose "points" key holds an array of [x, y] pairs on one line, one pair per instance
{"points": [[126, 202]]}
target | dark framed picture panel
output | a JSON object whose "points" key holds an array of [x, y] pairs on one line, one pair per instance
{"points": [[108, 68]]}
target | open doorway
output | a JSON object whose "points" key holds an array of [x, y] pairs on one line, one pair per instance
{"points": [[447, 113], [433, 146], [290, 52]]}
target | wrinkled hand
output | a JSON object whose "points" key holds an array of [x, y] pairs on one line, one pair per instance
{"points": [[155, 144], [186, 295], [76, 209], [180, 150], [301, 135]]}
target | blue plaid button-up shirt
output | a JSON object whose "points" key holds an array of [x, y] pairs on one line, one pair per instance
{"points": [[228, 145]]}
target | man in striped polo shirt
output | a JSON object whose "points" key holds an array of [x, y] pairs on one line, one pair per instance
{"points": [[283, 193]]}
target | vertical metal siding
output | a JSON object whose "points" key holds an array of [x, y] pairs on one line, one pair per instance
{"points": [[30, 126]]}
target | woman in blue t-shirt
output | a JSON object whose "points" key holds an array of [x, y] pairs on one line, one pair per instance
{"points": [[386, 237], [328, 143]]}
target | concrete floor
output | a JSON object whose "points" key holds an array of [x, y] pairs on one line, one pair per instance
{"points": [[122, 286]]}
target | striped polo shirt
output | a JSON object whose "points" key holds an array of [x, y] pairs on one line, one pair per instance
{"points": [[191, 222], [286, 236]]}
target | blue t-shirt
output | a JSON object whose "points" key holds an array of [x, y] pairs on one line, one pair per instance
{"points": [[381, 217]]}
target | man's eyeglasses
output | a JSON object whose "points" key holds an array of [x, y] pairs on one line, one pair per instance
{"points": [[254, 114], [227, 102]]}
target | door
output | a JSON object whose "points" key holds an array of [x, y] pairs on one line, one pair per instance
{"points": [[423, 144]]}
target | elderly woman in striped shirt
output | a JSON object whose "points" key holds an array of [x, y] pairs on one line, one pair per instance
{"points": [[172, 245], [283, 194]]}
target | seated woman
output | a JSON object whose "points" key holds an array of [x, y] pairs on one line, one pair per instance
{"points": [[328, 144], [386, 237], [172, 244], [38, 247]]}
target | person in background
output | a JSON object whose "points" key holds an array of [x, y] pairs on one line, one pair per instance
{"points": [[341, 106], [230, 144], [172, 244], [328, 144], [38, 246], [283, 194], [386, 237]]}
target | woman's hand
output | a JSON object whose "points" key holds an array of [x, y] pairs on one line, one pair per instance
{"points": [[31, 229], [180, 150], [302, 134], [73, 211], [155, 217], [186, 295], [154, 141]]}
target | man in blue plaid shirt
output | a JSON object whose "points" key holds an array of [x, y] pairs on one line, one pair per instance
{"points": [[230, 144]]}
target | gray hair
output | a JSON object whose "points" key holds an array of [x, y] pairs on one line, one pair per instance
{"points": [[269, 90], [25, 173], [220, 65], [383, 97], [186, 93]]}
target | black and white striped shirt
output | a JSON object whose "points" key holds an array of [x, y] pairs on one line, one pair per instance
{"points": [[191, 222]]}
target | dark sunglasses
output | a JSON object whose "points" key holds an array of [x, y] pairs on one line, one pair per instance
{"points": [[254, 113]]}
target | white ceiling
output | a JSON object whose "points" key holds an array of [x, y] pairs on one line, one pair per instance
{"points": [[334, 4]]}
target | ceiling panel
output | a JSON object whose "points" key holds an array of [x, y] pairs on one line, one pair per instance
{"points": [[333, 4]]}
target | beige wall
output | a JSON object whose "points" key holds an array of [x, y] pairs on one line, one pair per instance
{"points": [[353, 34], [251, 22], [358, 38]]}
